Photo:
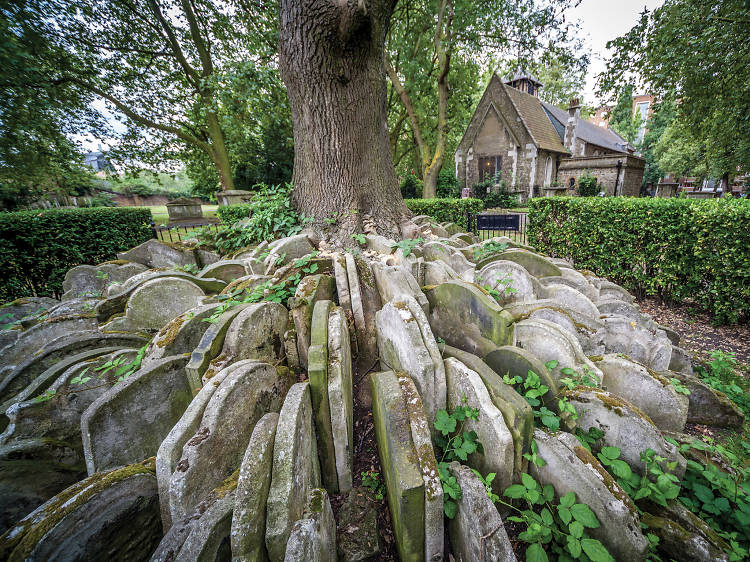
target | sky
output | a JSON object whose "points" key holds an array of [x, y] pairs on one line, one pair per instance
{"points": [[602, 21]]}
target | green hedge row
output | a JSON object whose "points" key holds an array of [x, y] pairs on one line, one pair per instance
{"points": [[37, 248], [446, 210], [230, 214], [679, 249]]}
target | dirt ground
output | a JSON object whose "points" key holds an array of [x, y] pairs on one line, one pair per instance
{"points": [[699, 336]]}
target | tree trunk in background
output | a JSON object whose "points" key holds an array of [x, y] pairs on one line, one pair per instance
{"points": [[219, 153], [331, 60]]}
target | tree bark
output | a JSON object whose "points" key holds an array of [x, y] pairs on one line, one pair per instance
{"points": [[331, 58]]}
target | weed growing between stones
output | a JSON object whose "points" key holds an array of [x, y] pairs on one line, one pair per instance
{"points": [[561, 525], [489, 248], [371, 479], [268, 292], [721, 375], [123, 369], [407, 245], [456, 445], [507, 289]]}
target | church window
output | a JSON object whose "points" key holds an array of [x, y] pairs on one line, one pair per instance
{"points": [[489, 166]]}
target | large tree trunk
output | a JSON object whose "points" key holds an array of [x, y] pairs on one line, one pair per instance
{"points": [[331, 60]]}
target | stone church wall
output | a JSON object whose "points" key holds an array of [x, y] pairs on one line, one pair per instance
{"points": [[604, 168]]}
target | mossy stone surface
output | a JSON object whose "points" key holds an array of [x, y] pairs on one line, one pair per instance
{"points": [[403, 479], [517, 413], [310, 290], [317, 372], [341, 397], [535, 264], [467, 318]]}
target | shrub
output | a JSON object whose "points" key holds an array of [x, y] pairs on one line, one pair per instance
{"points": [[677, 248], [494, 193], [38, 248], [447, 184], [269, 215], [588, 185], [411, 187], [445, 210]]}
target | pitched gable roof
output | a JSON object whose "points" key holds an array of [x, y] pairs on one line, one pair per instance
{"points": [[590, 133], [540, 127]]}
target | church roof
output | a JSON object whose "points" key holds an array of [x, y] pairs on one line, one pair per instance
{"points": [[590, 133], [537, 123]]}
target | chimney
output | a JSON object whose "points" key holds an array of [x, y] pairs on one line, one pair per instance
{"points": [[574, 113]]}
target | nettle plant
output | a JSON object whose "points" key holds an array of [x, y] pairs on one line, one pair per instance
{"points": [[489, 248], [503, 287]]}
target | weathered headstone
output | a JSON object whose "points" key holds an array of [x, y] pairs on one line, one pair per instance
{"points": [[498, 457], [313, 537], [310, 290], [153, 254], [477, 531], [467, 318], [215, 451], [295, 469], [113, 512], [226, 270], [128, 423], [341, 397], [249, 517], [571, 468], [650, 392], [403, 478]]}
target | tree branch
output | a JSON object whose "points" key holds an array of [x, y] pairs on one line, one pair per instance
{"points": [[191, 73], [198, 41], [129, 112], [409, 106]]}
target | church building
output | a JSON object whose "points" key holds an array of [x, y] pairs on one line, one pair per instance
{"points": [[539, 149]]}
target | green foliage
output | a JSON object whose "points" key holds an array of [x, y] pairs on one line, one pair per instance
{"points": [[623, 121], [447, 185], [494, 193], [679, 49], [489, 248], [454, 444], [722, 376], [588, 185], [562, 525], [269, 215], [371, 479], [280, 291], [360, 238], [533, 391], [411, 187], [123, 369], [37, 248], [407, 245], [445, 210], [676, 248]]}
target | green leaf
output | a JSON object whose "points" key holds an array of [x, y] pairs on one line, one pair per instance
{"points": [[445, 423], [515, 491], [568, 499], [535, 553], [528, 481], [611, 452], [574, 547], [547, 517], [621, 469], [582, 512], [576, 529], [595, 550], [564, 514], [450, 508]]}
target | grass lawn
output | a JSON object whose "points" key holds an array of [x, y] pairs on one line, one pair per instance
{"points": [[161, 217]]}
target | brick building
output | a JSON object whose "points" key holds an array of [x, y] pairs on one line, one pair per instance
{"points": [[642, 104], [540, 149]]}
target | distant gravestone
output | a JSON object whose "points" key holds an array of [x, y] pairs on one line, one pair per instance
{"points": [[184, 210]]}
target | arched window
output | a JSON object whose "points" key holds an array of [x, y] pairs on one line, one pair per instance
{"points": [[548, 171]]}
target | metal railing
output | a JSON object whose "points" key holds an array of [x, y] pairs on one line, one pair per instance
{"points": [[179, 232], [489, 225]]}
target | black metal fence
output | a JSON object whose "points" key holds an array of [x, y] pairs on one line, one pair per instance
{"points": [[489, 225], [178, 232]]}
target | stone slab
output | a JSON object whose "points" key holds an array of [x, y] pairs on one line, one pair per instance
{"points": [[341, 397], [295, 469], [128, 423], [249, 516], [403, 478], [313, 537]]}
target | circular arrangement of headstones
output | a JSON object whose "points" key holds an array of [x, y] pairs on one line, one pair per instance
{"points": [[143, 414]]}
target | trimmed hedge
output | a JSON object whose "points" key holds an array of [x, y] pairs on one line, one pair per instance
{"points": [[37, 248], [230, 214], [679, 249], [446, 210]]}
